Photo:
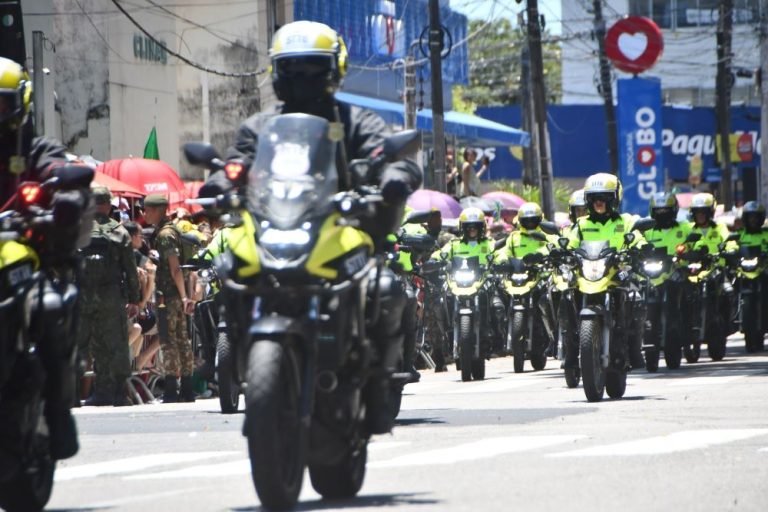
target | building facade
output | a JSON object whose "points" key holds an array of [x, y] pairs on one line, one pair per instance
{"points": [[688, 65]]}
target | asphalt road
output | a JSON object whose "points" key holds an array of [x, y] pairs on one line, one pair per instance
{"points": [[692, 439]]}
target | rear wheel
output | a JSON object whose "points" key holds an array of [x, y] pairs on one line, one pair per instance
{"points": [[343, 479], [277, 440], [716, 343], [652, 360], [539, 355], [673, 350], [593, 373], [692, 352], [229, 389], [478, 369], [616, 383], [518, 341], [466, 347]]}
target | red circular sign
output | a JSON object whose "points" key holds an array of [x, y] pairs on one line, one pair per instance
{"points": [[634, 44], [646, 156], [744, 147]]}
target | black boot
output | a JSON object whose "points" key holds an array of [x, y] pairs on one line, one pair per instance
{"points": [[171, 390], [120, 397], [187, 393], [63, 434]]}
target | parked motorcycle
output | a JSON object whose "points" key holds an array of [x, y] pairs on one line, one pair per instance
{"points": [[608, 318], [38, 353], [296, 285]]}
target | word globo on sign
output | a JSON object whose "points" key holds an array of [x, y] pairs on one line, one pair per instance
{"points": [[634, 44]]}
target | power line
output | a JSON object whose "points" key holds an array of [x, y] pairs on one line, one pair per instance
{"points": [[196, 65]]}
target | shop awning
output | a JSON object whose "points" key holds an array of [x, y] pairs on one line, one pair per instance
{"points": [[468, 129]]}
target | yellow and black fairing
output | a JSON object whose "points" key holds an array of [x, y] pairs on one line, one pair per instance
{"points": [[466, 282], [18, 263]]}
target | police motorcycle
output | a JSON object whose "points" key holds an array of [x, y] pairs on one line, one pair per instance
{"points": [[609, 314], [530, 323], [295, 283], [38, 324], [409, 251], [563, 291], [749, 265], [662, 277], [702, 300]]}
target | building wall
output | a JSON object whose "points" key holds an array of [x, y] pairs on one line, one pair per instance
{"points": [[687, 67]]}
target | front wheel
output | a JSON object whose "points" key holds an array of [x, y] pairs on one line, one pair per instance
{"points": [[277, 440], [478, 369], [592, 371], [753, 338], [651, 360], [616, 383], [673, 350], [572, 377], [518, 341], [343, 479], [31, 488], [466, 347], [229, 388], [539, 347], [692, 352]]}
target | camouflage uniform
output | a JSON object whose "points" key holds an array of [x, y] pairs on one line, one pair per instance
{"points": [[106, 287], [177, 350]]}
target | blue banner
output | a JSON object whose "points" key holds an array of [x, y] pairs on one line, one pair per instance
{"points": [[638, 118]]}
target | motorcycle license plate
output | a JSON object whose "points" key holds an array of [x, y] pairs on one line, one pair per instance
{"points": [[19, 274]]}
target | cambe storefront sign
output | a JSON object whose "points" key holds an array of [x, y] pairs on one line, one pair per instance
{"points": [[640, 141], [148, 50]]}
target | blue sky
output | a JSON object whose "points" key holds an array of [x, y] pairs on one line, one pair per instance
{"points": [[482, 9]]}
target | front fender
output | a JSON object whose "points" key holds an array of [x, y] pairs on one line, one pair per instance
{"points": [[277, 327]]}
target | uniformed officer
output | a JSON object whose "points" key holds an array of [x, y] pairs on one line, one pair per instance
{"points": [[109, 281]]}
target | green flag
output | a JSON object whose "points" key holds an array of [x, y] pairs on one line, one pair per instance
{"points": [[150, 150]]}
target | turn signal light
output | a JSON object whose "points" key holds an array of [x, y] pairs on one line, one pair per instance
{"points": [[233, 170], [680, 249]]}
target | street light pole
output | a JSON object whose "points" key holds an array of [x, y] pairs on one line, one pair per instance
{"points": [[436, 62]]}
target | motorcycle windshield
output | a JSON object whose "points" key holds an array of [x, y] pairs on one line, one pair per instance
{"points": [[294, 173], [594, 250]]}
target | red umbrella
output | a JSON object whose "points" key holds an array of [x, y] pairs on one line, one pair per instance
{"points": [[117, 187], [149, 176], [507, 199], [193, 187]]}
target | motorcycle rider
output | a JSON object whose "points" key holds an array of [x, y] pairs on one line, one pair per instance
{"points": [[603, 222], [577, 207], [668, 232], [752, 233], [309, 61], [24, 157]]}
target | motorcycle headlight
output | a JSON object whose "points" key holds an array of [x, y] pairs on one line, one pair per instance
{"points": [[464, 277], [749, 265], [288, 244], [593, 270], [519, 279], [653, 268]]}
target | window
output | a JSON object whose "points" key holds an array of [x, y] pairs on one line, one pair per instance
{"points": [[672, 14]]}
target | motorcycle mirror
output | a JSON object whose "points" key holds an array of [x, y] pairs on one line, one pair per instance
{"points": [[69, 176], [629, 238], [562, 242], [499, 244], [420, 242], [537, 235], [202, 154], [401, 145], [693, 237], [644, 224], [418, 217], [549, 227]]}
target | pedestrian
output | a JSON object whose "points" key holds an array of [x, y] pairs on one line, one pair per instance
{"points": [[176, 347], [470, 179], [109, 282]]}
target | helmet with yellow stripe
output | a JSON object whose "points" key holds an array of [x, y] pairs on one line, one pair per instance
{"points": [[472, 218], [603, 187], [309, 59]]}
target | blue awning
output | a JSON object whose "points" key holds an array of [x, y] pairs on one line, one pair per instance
{"points": [[468, 129]]}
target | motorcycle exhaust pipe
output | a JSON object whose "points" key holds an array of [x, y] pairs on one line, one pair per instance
{"points": [[326, 381]]}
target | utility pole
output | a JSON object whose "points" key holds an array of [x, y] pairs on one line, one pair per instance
{"points": [[540, 108], [531, 174], [436, 63], [605, 88], [38, 94], [763, 74], [723, 91], [409, 96]]}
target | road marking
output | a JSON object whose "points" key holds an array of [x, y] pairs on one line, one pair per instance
{"points": [[676, 442], [234, 468], [131, 464], [483, 449], [704, 381]]}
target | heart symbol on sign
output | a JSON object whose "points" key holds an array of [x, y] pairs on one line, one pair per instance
{"points": [[633, 45]]}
